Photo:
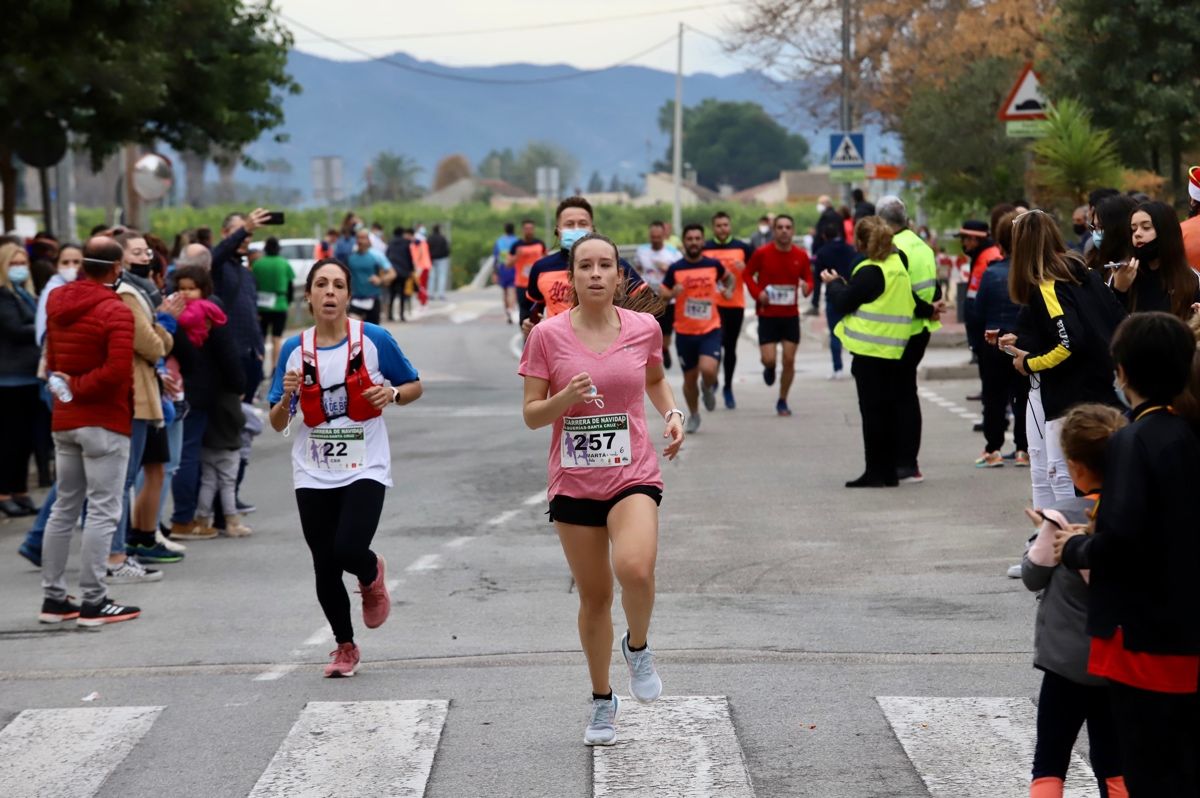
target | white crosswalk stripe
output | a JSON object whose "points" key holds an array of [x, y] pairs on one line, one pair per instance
{"points": [[356, 748], [68, 753], [974, 747], [677, 747]]}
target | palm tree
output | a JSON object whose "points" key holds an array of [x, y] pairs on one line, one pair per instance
{"points": [[392, 177], [1074, 156]]}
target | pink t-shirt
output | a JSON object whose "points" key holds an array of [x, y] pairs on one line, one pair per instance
{"points": [[597, 465]]}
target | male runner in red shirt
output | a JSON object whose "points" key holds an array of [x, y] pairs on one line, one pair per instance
{"points": [[777, 275]]}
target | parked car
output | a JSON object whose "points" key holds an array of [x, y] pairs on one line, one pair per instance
{"points": [[298, 252]]}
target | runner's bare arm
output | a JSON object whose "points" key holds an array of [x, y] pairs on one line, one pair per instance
{"points": [[541, 410], [663, 399], [278, 415]]}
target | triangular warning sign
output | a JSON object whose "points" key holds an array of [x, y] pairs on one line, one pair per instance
{"points": [[1025, 100], [846, 154]]}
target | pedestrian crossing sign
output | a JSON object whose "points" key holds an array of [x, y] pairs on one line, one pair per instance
{"points": [[846, 151]]}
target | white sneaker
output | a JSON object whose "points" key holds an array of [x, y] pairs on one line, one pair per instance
{"points": [[167, 543], [693, 424], [1014, 571], [644, 684], [602, 728], [132, 572]]}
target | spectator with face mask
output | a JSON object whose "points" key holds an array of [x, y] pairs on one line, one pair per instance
{"points": [[18, 379]]}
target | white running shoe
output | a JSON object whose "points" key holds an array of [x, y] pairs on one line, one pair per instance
{"points": [[1014, 571], [167, 543], [644, 684], [602, 728], [132, 572], [693, 424]]}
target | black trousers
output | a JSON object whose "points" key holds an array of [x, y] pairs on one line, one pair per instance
{"points": [[731, 330], [1063, 707], [877, 380], [338, 525], [524, 305], [908, 444], [18, 408], [1160, 741], [1003, 388]]}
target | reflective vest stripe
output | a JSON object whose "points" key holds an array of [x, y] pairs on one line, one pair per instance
{"points": [[924, 284], [850, 332], [883, 317]]}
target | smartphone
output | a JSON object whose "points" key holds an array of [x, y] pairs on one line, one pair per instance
{"points": [[1116, 264], [1008, 350], [1051, 521], [274, 217]]}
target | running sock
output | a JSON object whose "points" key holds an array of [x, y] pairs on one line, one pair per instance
{"points": [[642, 647], [140, 537], [603, 697], [1046, 787]]}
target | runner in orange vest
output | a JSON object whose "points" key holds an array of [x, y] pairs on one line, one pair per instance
{"points": [[423, 264]]}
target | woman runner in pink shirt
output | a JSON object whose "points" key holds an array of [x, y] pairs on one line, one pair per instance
{"points": [[585, 373]]}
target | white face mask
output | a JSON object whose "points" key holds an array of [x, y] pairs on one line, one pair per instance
{"points": [[68, 273], [762, 228]]}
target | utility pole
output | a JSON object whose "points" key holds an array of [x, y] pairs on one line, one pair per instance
{"points": [[847, 122], [677, 141]]}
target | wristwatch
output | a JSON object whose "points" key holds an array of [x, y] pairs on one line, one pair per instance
{"points": [[395, 394], [672, 412]]}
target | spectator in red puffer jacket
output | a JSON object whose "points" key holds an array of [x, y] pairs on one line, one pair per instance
{"points": [[89, 344]]}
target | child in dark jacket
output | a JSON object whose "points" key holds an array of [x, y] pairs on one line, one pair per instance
{"points": [[1069, 694], [1144, 597]]}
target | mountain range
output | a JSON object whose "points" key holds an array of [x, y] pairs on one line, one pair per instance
{"points": [[607, 120]]}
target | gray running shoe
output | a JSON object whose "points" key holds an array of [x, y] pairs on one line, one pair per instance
{"points": [[644, 684], [132, 572], [709, 392], [1014, 571], [693, 424], [602, 728]]}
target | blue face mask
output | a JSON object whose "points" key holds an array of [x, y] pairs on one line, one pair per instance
{"points": [[568, 237], [18, 274], [1097, 237]]}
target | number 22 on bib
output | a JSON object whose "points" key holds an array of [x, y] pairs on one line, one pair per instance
{"points": [[595, 441]]}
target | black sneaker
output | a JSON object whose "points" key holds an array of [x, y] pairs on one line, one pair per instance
{"points": [[58, 611], [107, 611], [244, 508]]}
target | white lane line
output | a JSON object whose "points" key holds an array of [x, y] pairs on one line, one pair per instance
{"points": [[426, 562], [458, 543], [969, 416], [503, 518], [516, 345], [277, 672], [68, 753], [974, 746], [681, 747], [535, 499], [322, 635], [953, 408], [356, 748]]}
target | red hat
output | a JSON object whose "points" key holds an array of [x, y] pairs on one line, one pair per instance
{"points": [[1194, 183]]}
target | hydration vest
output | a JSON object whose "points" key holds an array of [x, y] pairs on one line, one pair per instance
{"points": [[358, 379]]}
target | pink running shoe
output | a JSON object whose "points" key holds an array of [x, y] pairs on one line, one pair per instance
{"points": [[345, 660], [376, 600]]}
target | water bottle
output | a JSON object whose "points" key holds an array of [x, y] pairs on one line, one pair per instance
{"points": [[58, 386]]}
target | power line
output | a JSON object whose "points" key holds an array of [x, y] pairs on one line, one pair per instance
{"points": [[466, 79], [536, 26]]}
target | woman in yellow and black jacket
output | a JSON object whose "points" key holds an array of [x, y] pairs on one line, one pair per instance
{"points": [[1062, 343]]}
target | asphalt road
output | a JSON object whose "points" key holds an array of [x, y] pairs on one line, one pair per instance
{"points": [[798, 601]]}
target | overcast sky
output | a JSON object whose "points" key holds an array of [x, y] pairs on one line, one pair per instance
{"points": [[602, 33]]}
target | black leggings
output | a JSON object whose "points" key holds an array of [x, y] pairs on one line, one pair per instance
{"points": [[18, 406], [1160, 741], [876, 379], [1063, 706], [338, 525], [731, 330]]}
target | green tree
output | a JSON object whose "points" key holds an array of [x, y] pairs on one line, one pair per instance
{"points": [[498, 165], [1133, 64], [952, 136], [392, 178], [193, 73], [1074, 157], [737, 143], [595, 182], [543, 153]]}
